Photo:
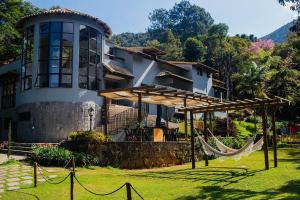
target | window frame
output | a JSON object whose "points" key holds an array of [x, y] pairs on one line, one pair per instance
{"points": [[60, 59], [88, 63], [8, 100]]}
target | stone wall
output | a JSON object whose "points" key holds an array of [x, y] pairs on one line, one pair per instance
{"points": [[53, 121], [139, 155]]}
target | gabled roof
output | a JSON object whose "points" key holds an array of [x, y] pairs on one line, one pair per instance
{"points": [[115, 69], [68, 12], [196, 64], [170, 74]]}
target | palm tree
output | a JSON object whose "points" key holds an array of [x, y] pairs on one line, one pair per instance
{"points": [[250, 80]]}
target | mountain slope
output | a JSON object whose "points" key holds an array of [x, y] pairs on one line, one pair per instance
{"points": [[279, 35]]}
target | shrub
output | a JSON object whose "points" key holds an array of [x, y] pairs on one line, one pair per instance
{"points": [[58, 156], [80, 140], [231, 142]]}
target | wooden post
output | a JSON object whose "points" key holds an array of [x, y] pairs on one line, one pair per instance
{"points": [[274, 138], [264, 123], [205, 135], [167, 117], [139, 108], [9, 141], [128, 189], [73, 165], [71, 185], [185, 120], [192, 140], [105, 118], [34, 174], [210, 123]]}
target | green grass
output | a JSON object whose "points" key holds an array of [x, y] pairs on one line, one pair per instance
{"points": [[230, 179]]}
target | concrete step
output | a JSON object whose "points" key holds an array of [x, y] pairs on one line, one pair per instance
{"points": [[15, 152], [21, 148], [19, 144]]}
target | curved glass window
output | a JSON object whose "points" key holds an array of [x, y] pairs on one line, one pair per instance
{"points": [[27, 58], [89, 58], [56, 54]]}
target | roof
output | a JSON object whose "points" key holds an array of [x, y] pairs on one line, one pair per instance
{"points": [[64, 11], [186, 100], [195, 64], [115, 69], [170, 74], [218, 84]]}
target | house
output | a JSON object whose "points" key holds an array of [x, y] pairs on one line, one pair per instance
{"points": [[67, 57]]}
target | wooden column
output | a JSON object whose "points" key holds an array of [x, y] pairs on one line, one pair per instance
{"points": [[274, 137], [205, 135], [167, 117], [210, 123], [185, 120], [192, 140], [264, 123], [139, 108], [105, 117]]}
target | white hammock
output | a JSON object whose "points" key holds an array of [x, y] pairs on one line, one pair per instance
{"points": [[225, 149], [248, 148]]}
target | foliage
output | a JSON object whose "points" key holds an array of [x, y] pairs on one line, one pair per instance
{"points": [[265, 45], [80, 140], [232, 142], [250, 79], [131, 39], [184, 19], [251, 37], [169, 44], [194, 50], [244, 130], [57, 156], [294, 4], [10, 39]]}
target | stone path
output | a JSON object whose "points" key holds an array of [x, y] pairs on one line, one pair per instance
{"points": [[12, 177], [3, 157]]}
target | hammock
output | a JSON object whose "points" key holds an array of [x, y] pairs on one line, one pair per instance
{"points": [[225, 149], [248, 148]]}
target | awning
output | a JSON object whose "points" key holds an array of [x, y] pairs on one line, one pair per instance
{"points": [[117, 70], [170, 74]]}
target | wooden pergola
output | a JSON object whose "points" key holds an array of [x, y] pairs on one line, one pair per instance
{"points": [[187, 101]]}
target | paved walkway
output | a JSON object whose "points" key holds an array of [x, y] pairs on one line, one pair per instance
{"points": [[17, 176], [3, 157]]}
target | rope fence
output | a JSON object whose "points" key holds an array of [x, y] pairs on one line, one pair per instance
{"points": [[129, 188]]}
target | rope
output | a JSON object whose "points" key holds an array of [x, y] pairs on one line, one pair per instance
{"points": [[136, 192], [98, 194], [48, 180]]}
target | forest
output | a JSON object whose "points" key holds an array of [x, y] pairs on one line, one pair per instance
{"points": [[248, 66]]}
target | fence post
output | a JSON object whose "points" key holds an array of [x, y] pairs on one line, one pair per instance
{"points": [[128, 189], [73, 165], [34, 174], [72, 184]]}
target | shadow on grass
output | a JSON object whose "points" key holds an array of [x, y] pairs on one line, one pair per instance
{"points": [[289, 191], [294, 154], [26, 194], [214, 175]]}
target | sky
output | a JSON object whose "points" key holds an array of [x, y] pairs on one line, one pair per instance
{"points": [[258, 17]]}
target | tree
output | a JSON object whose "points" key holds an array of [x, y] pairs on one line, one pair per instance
{"points": [[294, 4], [10, 39], [194, 50], [131, 39], [218, 30], [249, 81], [184, 19], [171, 45]]}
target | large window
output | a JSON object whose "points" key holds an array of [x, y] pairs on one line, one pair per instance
{"points": [[56, 54], [27, 58], [89, 58], [8, 99]]}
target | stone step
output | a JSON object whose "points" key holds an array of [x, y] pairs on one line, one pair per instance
{"points": [[30, 144], [21, 148], [15, 152]]}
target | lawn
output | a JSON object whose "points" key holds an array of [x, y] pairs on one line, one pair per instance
{"points": [[229, 179]]}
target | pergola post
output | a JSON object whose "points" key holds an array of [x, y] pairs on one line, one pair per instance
{"points": [[210, 123], [139, 108], [185, 120], [105, 117], [205, 135], [264, 123], [192, 140], [274, 137]]}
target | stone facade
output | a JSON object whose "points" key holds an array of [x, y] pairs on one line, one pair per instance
{"points": [[53, 121], [139, 155]]}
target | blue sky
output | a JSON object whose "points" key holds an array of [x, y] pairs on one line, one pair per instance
{"points": [[259, 17]]}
